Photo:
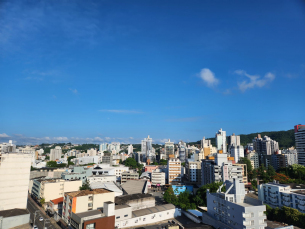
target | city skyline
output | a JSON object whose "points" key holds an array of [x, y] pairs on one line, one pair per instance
{"points": [[100, 72]]}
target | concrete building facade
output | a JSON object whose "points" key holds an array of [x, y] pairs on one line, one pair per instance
{"points": [[299, 134], [174, 171]]}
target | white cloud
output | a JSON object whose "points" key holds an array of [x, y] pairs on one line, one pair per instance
{"points": [[4, 135], [122, 111], [254, 80], [188, 119], [73, 90], [208, 77]]}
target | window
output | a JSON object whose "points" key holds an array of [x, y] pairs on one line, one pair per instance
{"points": [[118, 217], [126, 215], [90, 226], [252, 222]]}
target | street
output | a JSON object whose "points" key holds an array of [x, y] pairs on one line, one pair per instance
{"points": [[32, 208]]}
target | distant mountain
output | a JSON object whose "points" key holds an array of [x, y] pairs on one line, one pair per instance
{"points": [[285, 138]]}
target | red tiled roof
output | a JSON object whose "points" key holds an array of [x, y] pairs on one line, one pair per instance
{"points": [[57, 201]]}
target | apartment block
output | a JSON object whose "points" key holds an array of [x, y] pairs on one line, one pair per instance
{"points": [[55, 153], [85, 200], [157, 178], [50, 189], [299, 134], [193, 171], [14, 179], [233, 209], [129, 175], [237, 151], [174, 171], [253, 157], [221, 141], [279, 195]]}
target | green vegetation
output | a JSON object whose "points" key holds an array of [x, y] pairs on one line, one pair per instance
{"points": [[85, 186], [85, 147], [183, 164], [186, 200], [54, 164], [286, 215], [131, 163], [295, 174], [69, 160], [163, 162], [285, 138], [42, 201]]}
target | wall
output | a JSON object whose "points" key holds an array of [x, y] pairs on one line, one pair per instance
{"points": [[14, 180], [10, 222], [139, 221], [71, 186], [81, 204], [120, 214], [99, 199]]}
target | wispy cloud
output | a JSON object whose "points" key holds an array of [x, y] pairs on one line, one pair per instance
{"points": [[254, 80], [122, 111], [73, 91], [33, 78], [4, 135], [188, 119], [208, 77]]}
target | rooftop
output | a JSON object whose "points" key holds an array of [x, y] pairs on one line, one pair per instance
{"points": [[58, 200], [117, 207], [90, 213], [134, 186], [13, 212], [121, 200], [151, 210], [301, 192], [87, 192]]}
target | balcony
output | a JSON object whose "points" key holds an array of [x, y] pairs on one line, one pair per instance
{"points": [[246, 215]]}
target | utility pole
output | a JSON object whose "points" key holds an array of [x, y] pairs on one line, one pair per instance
{"points": [[35, 216]]}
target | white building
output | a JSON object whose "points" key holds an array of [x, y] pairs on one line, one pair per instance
{"points": [[221, 141], [92, 152], [237, 151], [265, 145], [193, 171], [114, 147], [130, 149], [7, 147], [253, 157], [279, 195], [233, 209], [103, 147], [14, 180], [101, 178], [157, 177], [56, 153], [174, 171], [87, 160], [205, 143], [299, 134], [234, 140], [182, 151], [219, 170]]}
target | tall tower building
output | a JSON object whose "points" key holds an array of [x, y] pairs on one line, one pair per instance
{"points": [[299, 133], [14, 179], [234, 140], [55, 153], [169, 148], [146, 146], [221, 141]]}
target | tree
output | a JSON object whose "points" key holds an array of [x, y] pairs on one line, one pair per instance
{"points": [[202, 192], [42, 201], [169, 196], [51, 164], [130, 162], [85, 186], [244, 160], [254, 184], [163, 162], [183, 164]]}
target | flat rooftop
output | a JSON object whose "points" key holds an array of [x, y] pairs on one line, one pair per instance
{"points": [[301, 192], [117, 207], [90, 213], [121, 200], [13, 212], [156, 209], [87, 192]]}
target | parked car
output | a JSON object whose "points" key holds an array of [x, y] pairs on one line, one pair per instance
{"points": [[35, 227], [40, 219]]}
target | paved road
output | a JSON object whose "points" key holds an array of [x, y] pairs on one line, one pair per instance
{"points": [[32, 208]]}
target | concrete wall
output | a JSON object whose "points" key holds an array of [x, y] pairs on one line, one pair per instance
{"points": [[123, 214], [14, 180], [14, 221], [148, 219], [99, 199], [142, 203]]}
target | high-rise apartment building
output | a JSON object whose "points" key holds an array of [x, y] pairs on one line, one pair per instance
{"points": [[174, 171], [7, 147], [205, 143], [299, 134], [193, 171], [253, 157], [221, 141], [14, 179], [236, 151], [92, 152], [157, 177], [234, 140], [114, 147], [169, 148], [103, 147], [147, 150], [182, 151], [265, 145], [233, 209], [56, 153], [130, 149]]}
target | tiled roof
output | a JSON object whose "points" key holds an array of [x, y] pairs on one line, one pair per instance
{"points": [[58, 200]]}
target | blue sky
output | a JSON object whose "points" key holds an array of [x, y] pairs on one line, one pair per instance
{"points": [[94, 71]]}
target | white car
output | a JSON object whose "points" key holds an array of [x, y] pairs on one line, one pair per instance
{"points": [[35, 227], [40, 219]]}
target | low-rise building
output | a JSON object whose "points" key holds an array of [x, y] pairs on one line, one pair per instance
{"points": [[135, 186], [233, 209], [101, 178], [14, 218], [54, 208], [136, 201], [279, 195], [50, 189], [85, 200], [87, 160], [129, 175], [77, 173]]}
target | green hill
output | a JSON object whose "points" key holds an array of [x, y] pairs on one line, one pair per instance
{"points": [[285, 138]]}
